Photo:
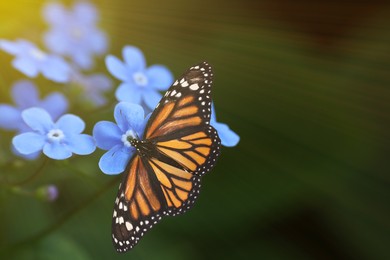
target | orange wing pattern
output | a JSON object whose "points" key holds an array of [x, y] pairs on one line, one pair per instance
{"points": [[137, 207], [175, 116], [193, 154], [190, 151], [187, 104], [177, 148]]}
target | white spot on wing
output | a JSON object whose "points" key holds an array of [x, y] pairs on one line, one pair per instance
{"points": [[194, 86], [184, 84], [129, 226]]}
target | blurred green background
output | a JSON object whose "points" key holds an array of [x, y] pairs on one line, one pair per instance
{"points": [[306, 86]]}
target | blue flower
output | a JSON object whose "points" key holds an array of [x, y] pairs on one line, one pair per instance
{"points": [[93, 86], [73, 33], [31, 61], [141, 85], [57, 140], [116, 137], [25, 95], [228, 137]]}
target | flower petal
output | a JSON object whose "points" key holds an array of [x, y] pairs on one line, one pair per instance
{"points": [[159, 77], [28, 143], [56, 69], [98, 42], [10, 118], [10, 47], [213, 114], [143, 125], [228, 137], [57, 150], [99, 81], [56, 41], [56, 104], [151, 98], [134, 58], [26, 66], [129, 93], [85, 13], [117, 68], [25, 94], [82, 58], [115, 160], [38, 119], [81, 144], [70, 124], [107, 135], [96, 99], [30, 157], [129, 116], [55, 13]]}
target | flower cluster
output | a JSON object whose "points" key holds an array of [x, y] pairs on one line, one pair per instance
{"points": [[31, 61], [57, 140], [73, 33], [140, 85], [72, 43]]}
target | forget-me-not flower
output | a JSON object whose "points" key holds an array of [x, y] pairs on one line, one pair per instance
{"points": [[58, 140], [228, 137], [31, 61], [25, 95], [116, 138], [73, 32], [93, 86], [141, 84]]}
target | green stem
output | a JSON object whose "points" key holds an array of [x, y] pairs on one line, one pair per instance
{"points": [[53, 227], [81, 174], [32, 176]]}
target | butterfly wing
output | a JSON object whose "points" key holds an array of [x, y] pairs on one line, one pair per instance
{"points": [[186, 145], [182, 161], [138, 206], [181, 146], [186, 104]]}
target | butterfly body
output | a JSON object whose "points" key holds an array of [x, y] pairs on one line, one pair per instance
{"points": [[178, 147]]}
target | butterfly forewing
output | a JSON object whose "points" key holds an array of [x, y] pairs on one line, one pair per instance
{"points": [[180, 147], [186, 104]]}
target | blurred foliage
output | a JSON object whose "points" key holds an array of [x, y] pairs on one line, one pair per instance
{"points": [[306, 86]]}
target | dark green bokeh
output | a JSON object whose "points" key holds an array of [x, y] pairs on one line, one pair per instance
{"points": [[305, 85]]}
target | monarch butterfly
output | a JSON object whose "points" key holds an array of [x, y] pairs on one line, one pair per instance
{"points": [[178, 146]]}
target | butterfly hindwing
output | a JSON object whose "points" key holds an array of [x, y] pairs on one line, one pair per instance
{"points": [[138, 206], [195, 154]]}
